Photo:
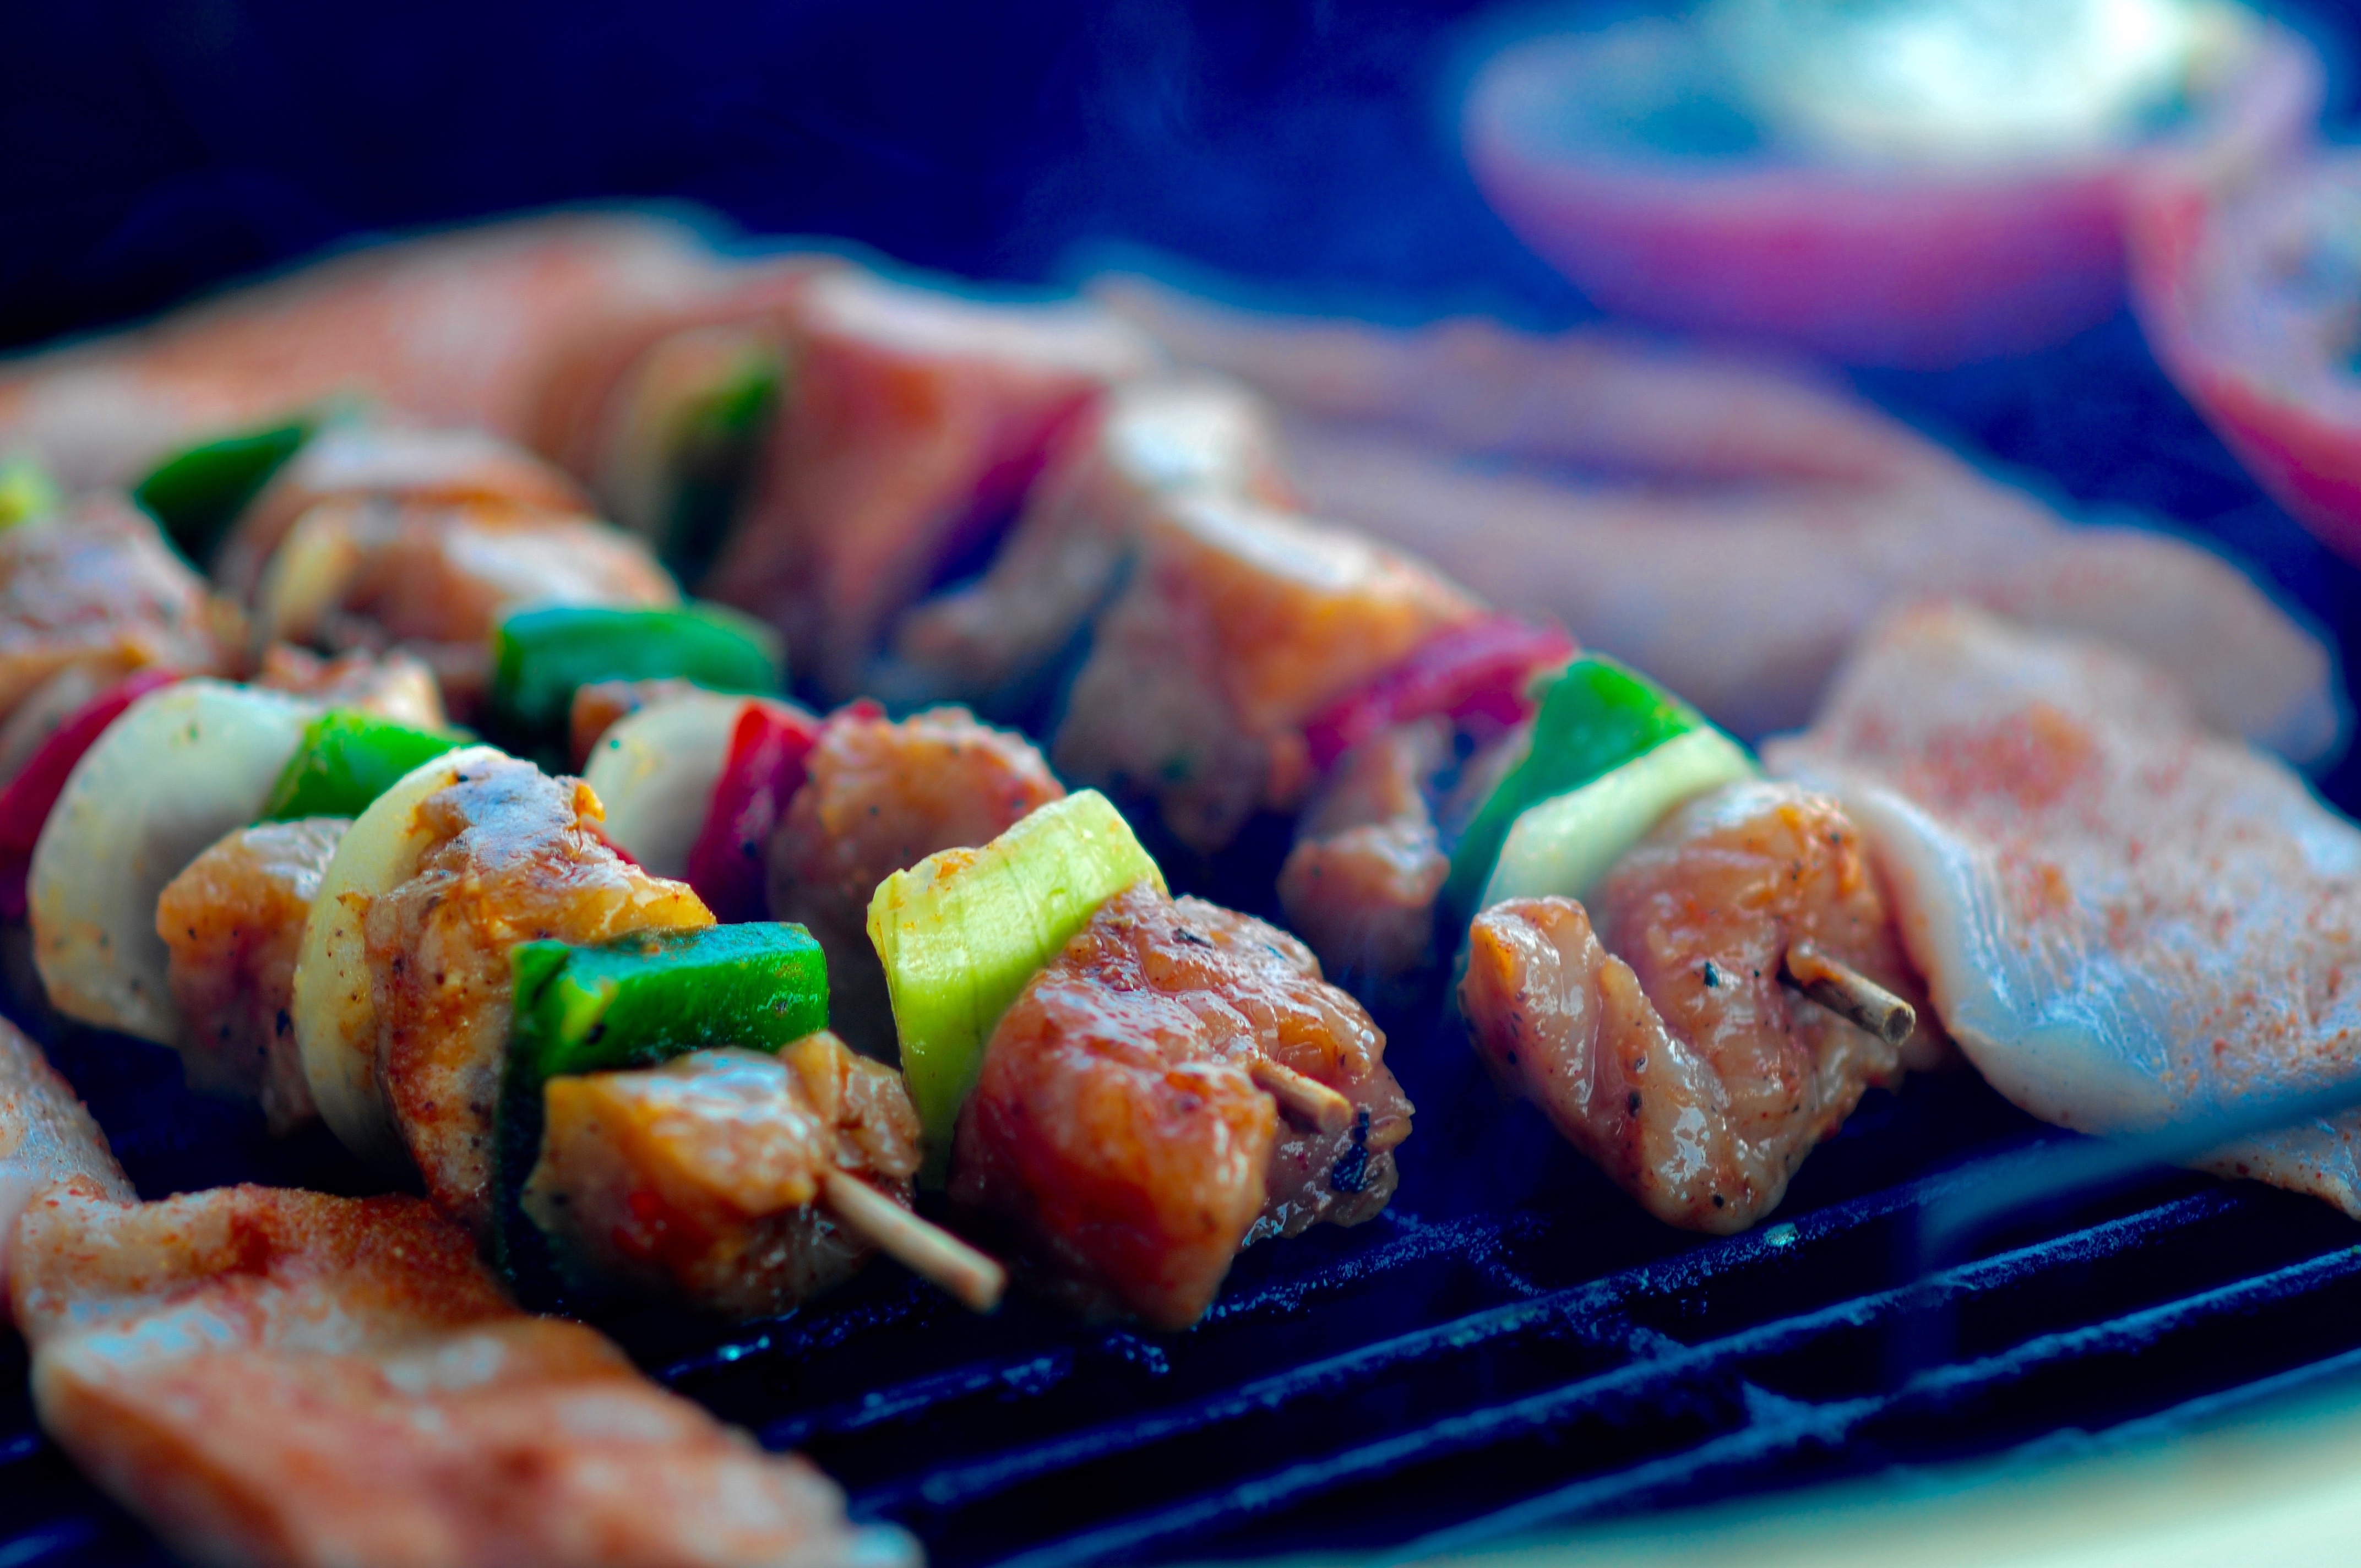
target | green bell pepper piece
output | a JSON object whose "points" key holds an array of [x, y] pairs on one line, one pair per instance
{"points": [[718, 441], [197, 493], [346, 760], [637, 1002], [540, 657], [961, 932], [1597, 715], [26, 491]]}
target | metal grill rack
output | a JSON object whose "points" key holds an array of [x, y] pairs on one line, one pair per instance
{"points": [[1511, 1345]]}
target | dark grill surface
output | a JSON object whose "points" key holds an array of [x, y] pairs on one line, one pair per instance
{"points": [[1510, 1346]]}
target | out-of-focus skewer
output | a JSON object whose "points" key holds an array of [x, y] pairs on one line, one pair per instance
{"points": [[925, 1249], [1306, 1101], [1848, 993]]}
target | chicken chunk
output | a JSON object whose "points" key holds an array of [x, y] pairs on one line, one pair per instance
{"points": [[516, 856], [1360, 883], [273, 1376], [914, 422], [1240, 623], [234, 921], [97, 586], [436, 579], [700, 1181], [392, 684], [990, 641], [393, 463], [1685, 1069], [879, 796], [1121, 1131]]}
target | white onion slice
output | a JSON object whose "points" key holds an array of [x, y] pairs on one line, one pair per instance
{"points": [[180, 767], [335, 1005], [655, 772]]}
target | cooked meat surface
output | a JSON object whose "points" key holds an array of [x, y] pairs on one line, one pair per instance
{"points": [[516, 856], [234, 922], [1240, 623], [914, 421], [1360, 883], [395, 463], [374, 574], [1118, 1132], [1146, 441], [879, 795], [699, 1182], [598, 706], [96, 585], [46, 1138], [2127, 919], [274, 1376], [393, 685], [1663, 1042]]}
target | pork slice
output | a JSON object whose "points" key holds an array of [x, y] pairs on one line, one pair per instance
{"points": [[274, 1376], [47, 1139], [2126, 918]]}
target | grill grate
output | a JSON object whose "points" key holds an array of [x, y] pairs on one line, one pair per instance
{"points": [[1479, 1360]]}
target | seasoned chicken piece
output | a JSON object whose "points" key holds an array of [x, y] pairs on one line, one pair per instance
{"points": [[95, 585], [597, 706], [392, 684], [274, 1376], [372, 574], [700, 1181], [1360, 883], [1685, 1067], [454, 329], [391, 463], [515, 856], [1240, 623], [879, 795], [234, 921], [913, 423], [1127, 1127], [2127, 919], [1146, 441], [46, 1138]]}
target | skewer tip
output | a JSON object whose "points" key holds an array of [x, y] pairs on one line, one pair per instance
{"points": [[1850, 995], [925, 1248]]}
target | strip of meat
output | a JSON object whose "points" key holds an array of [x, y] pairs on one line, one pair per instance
{"points": [[1360, 883], [97, 586], [1240, 623], [513, 855], [1685, 1067], [274, 1376], [47, 1138], [2125, 918], [234, 921], [1799, 514], [1123, 1129], [453, 329], [878, 796], [702, 1181], [915, 421]]}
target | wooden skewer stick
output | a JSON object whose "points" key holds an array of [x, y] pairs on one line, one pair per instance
{"points": [[925, 1249], [1306, 1101], [1848, 993]]}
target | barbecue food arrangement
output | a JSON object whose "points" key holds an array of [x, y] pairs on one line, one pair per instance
{"points": [[700, 776]]}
